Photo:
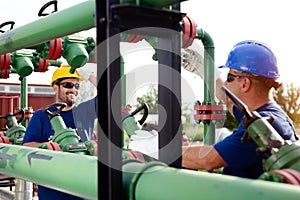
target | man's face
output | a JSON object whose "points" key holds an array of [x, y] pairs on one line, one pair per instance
{"points": [[68, 91], [233, 84]]}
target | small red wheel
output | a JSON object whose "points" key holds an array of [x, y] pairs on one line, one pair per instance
{"points": [[4, 139], [189, 32], [4, 73], [7, 62], [55, 49], [2, 61], [43, 65], [58, 48], [287, 176], [136, 155], [52, 146], [294, 173], [95, 146]]}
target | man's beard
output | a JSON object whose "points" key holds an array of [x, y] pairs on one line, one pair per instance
{"points": [[69, 101], [68, 98]]}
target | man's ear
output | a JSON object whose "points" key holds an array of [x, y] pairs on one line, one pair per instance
{"points": [[55, 88], [246, 83]]}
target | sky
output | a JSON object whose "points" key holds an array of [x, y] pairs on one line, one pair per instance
{"points": [[228, 22]]}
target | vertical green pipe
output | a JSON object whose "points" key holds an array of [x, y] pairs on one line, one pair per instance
{"points": [[65, 22], [24, 96], [157, 181], [23, 188], [209, 83]]}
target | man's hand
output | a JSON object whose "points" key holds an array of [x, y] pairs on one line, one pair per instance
{"points": [[84, 73], [192, 61], [87, 74]]}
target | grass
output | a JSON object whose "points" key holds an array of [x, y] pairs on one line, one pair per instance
{"points": [[194, 132]]}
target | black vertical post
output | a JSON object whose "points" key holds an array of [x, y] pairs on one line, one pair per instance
{"points": [[169, 98], [109, 105]]}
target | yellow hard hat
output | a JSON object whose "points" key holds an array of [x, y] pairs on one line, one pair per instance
{"points": [[64, 72]]}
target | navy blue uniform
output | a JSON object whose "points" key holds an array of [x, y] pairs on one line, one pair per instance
{"points": [[241, 158]]}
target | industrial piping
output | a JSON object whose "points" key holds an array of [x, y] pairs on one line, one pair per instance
{"points": [[209, 82], [77, 174], [155, 180], [78, 18], [67, 172]]}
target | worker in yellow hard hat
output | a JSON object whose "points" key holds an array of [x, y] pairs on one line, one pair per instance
{"points": [[66, 85], [80, 117], [64, 72]]}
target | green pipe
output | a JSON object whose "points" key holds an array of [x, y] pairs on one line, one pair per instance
{"points": [[22, 65], [68, 21], [153, 3], [140, 180], [24, 96], [66, 172], [20, 183], [288, 156], [157, 181], [76, 55], [209, 82], [63, 136]]}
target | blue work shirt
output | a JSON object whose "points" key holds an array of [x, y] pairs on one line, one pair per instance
{"points": [[242, 158], [83, 115], [39, 129]]}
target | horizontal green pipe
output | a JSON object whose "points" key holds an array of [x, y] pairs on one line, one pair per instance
{"points": [[68, 21], [65, 22], [77, 175], [71, 173], [161, 182], [154, 3]]}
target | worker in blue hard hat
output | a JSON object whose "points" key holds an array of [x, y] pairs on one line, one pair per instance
{"points": [[253, 72]]}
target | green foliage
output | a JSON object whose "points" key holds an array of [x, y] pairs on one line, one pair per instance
{"points": [[230, 121], [287, 96], [150, 98]]}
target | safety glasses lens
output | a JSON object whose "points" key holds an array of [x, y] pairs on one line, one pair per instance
{"points": [[70, 85], [231, 77]]}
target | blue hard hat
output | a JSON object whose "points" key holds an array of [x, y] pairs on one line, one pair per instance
{"points": [[253, 57]]}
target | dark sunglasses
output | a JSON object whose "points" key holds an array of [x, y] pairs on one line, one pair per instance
{"points": [[69, 85], [231, 77]]}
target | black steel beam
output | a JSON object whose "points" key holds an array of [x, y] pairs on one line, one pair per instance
{"points": [[109, 132]]}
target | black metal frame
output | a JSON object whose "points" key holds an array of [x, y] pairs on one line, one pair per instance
{"points": [[113, 18]]}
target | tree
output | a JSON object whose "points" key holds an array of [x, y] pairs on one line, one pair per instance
{"points": [[150, 98], [287, 96]]}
